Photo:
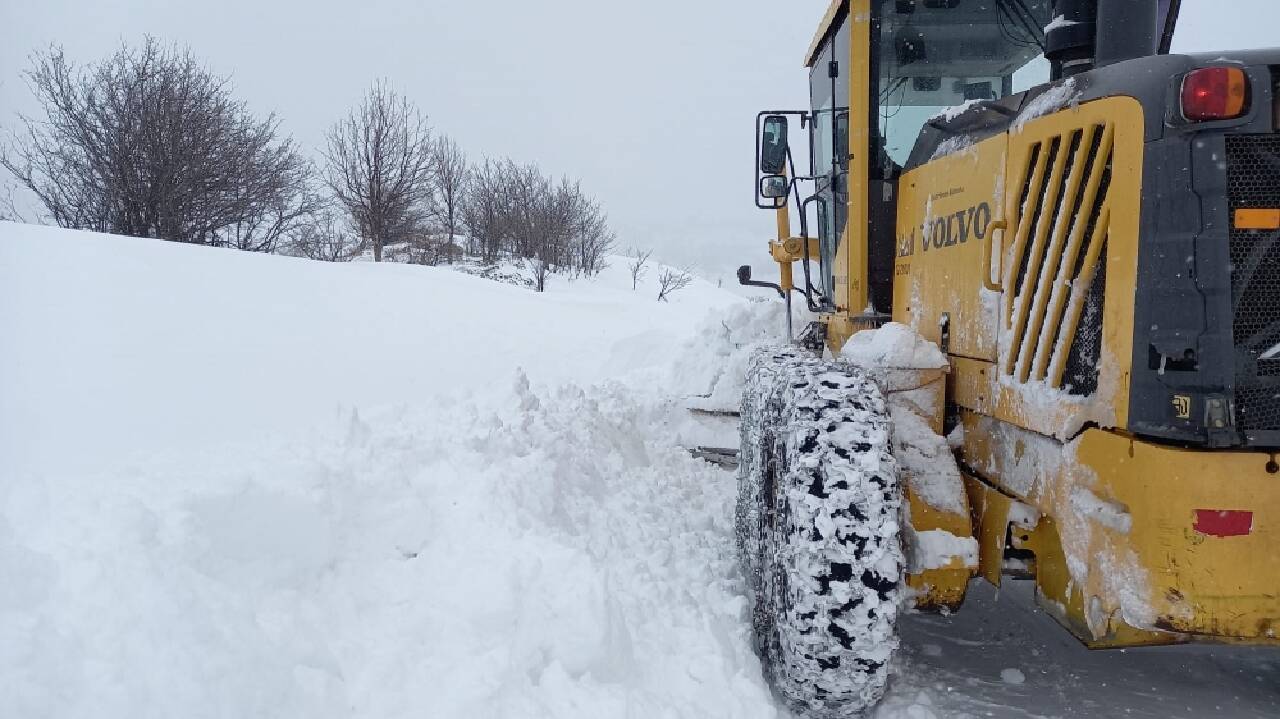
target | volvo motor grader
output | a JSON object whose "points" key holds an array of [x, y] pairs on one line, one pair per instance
{"points": [[1088, 227]]}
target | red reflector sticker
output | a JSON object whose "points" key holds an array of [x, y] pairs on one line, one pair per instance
{"points": [[1223, 523]]}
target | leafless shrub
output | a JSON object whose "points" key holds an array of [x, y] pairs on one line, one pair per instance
{"points": [[449, 178], [513, 210], [484, 210], [149, 143], [8, 207], [327, 237], [637, 266], [671, 281], [590, 238], [541, 271], [379, 168]]}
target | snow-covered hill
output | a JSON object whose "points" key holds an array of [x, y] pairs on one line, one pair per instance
{"points": [[131, 345], [234, 485]]}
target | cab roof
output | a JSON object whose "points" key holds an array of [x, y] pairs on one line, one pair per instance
{"points": [[837, 11]]}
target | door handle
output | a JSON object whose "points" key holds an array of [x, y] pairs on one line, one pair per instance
{"points": [[987, 246]]}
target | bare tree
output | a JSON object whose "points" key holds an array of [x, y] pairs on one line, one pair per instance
{"points": [[532, 216], [149, 143], [591, 237], [541, 272], [484, 210], [9, 208], [508, 211], [516, 211], [449, 170], [276, 220], [326, 237], [670, 281], [380, 165], [637, 265]]}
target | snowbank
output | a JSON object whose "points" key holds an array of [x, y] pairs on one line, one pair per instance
{"points": [[552, 558], [116, 348], [712, 366], [237, 485]]}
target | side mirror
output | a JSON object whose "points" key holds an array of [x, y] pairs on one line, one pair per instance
{"points": [[773, 145], [744, 275], [774, 186]]}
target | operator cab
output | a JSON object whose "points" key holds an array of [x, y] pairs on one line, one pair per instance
{"points": [[929, 59]]}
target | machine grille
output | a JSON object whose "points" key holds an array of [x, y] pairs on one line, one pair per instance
{"points": [[1056, 264], [1081, 377], [1253, 182]]}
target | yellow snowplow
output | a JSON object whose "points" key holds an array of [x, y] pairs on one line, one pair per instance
{"points": [[1088, 229]]}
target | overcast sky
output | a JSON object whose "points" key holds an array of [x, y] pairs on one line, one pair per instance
{"points": [[651, 104]]}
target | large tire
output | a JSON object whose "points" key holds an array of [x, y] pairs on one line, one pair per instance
{"points": [[818, 531]]}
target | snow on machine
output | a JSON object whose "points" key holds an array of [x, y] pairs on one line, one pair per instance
{"points": [[1087, 229]]}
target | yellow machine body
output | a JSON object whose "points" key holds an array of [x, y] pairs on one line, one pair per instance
{"points": [[1130, 542]]}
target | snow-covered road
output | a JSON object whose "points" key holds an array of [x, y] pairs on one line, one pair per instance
{"points": [[953, 667], [242, 486]]}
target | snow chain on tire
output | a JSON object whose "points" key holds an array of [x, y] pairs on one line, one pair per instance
{"points": [[813, 337], [818, 530]]}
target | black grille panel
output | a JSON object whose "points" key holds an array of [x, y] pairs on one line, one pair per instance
{"points": [[1253, 182], [1057, 262], [1085, 360]]}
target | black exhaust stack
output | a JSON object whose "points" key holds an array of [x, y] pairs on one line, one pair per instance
{"points": [[1086, 34], [1126, 30], [1071, 38]]}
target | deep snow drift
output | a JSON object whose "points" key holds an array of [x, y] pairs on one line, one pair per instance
{"points": [[128, 344], [241, 486], [237, 485]]}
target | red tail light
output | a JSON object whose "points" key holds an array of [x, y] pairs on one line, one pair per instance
{"points": [[1214, 93]]}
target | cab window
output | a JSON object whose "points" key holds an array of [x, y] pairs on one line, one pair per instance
{"points": [[829, 94], [934, 58]]}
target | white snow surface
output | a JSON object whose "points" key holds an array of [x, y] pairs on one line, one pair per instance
{"points": [[128, 345], [234, 485], [952, 145], [950, 113], [894, 345], [1013, 675], [927, 460], [1112, 515], [237, 485], [1048, 102], [899, 359], [1060, 21], [936, 548], [714, 364]]}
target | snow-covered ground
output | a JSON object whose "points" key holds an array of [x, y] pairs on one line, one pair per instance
{"points": [[128, 344], [1001, 657], [244, 486]]}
